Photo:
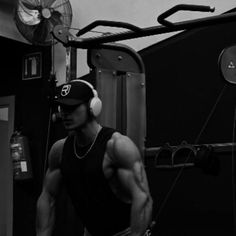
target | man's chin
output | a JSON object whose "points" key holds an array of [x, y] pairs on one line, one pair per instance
{"points": [[73, 127], [69, 127]]}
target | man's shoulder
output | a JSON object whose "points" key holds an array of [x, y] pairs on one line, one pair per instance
{"points": [[119, 140], [114, 139], [122, 149], [56, 152], [58, 145]]}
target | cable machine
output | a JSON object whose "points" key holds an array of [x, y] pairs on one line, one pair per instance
{"points": [[120, 69]]}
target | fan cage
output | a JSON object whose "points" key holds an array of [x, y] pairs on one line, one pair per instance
{"points": [[34, 27]]}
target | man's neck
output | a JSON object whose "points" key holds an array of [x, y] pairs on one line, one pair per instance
{"points": [[87, 134]]}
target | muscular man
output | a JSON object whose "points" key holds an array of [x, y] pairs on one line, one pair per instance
{"points": [[101, 168]]}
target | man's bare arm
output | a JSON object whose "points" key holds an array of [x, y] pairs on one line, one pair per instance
{"points": [[132, 175], [46, 202]]}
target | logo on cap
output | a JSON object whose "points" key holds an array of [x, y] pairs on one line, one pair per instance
{"points": [[65, 89]]}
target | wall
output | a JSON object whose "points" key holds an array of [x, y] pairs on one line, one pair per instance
{"points": [[31, 117]]}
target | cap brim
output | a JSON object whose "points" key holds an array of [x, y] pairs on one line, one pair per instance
{"points": [[68, 101]]}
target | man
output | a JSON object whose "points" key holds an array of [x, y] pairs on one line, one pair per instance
{"points": [[101, 168]]}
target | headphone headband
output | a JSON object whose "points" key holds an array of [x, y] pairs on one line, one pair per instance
{"points": [[95, 103], [87, 83]]}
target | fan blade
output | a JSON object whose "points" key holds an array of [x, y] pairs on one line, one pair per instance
{"points": [[29, 17], [49, 3], [55, 18], [41, 32]]}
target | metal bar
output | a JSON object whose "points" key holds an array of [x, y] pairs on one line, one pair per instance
{"points": [[174, 166], [108, 23], [181, 7], [179, 26], [216, 147]]}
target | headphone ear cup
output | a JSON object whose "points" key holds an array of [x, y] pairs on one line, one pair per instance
{"points": [[95, 106]]}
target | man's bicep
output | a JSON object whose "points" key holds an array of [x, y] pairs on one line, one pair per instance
{"points": [[52, 180], [55, 154], [140, 183], [140, 176], [133, 179], [130, 165]]}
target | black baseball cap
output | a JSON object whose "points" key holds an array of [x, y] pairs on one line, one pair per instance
{"points": [[74, 93]]}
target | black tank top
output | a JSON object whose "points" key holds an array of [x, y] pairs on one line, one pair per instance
{"points": [[102, 213]]}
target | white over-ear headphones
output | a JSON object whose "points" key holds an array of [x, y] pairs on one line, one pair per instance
{"points": [[95, 104]]}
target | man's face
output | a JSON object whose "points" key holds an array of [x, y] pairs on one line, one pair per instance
{"points": [[74, 117]]}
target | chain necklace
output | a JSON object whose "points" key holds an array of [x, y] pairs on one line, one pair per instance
{"points": [[75, 138]]}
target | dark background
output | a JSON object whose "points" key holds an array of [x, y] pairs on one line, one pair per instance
{"points": [[186, 92]]}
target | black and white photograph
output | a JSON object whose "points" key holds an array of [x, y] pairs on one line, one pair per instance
{"points": [[118, 118]]}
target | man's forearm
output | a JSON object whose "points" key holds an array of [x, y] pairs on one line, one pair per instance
{"points": [[141, 214], [45, 216]]}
